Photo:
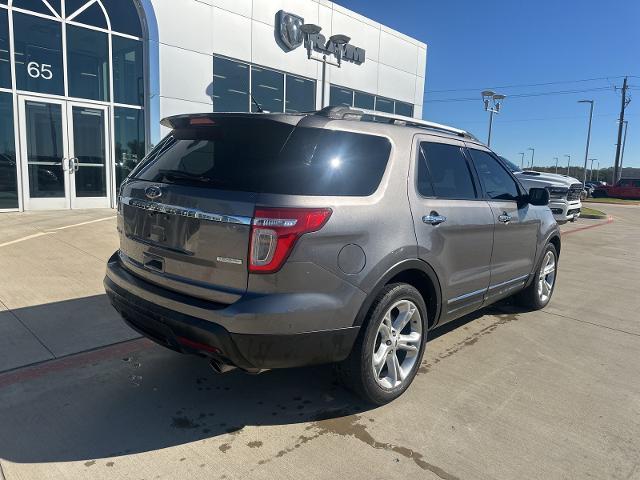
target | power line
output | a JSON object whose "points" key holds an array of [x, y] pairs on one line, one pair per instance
{"points": [[560, 82], [519, 95]]}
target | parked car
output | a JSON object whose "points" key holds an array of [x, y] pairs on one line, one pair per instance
{"points": [[624, 188], [565, 192], [266, 241]]}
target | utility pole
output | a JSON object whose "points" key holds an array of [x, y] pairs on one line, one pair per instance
{"points": [[624, 143], [586, 152], [623, 106], [568, 163], [556, 159]]}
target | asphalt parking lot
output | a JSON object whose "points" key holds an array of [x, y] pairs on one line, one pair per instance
{"points": [[504, 394]]}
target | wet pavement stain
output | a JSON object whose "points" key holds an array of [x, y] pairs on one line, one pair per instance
{"points": [[110, 464], [225, 447], [349, 426], [183, 423], [256, 444], [89, 463], [503, 318]]}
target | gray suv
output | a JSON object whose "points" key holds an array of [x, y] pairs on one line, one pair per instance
{"points": [[340, 236]]}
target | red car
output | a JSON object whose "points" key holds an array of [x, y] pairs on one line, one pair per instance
{"points": [[625, 188]]}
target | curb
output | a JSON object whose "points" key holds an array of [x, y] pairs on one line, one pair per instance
{"points": [[594, 217]]}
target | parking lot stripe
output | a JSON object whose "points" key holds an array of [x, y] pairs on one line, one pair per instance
{"points": [[38, 370]]}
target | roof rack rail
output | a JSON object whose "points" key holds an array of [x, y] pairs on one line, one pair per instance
{"points": [[347, 113]]}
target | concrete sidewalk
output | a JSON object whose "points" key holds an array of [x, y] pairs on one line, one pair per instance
{"points": [[52, 302]]}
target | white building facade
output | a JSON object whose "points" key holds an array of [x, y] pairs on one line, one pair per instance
{"points": [[84, 83]]}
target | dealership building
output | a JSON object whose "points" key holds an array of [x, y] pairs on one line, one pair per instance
{"points": [[84, 83]]}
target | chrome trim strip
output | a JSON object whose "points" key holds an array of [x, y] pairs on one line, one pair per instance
{"points": [[513, 280], [184, 211], [466, 295]]}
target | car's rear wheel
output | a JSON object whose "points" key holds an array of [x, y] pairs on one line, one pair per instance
{"points": [[389, 349], [538, 294]]}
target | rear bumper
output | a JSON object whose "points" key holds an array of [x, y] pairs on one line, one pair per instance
{"points": [[193, 334]]}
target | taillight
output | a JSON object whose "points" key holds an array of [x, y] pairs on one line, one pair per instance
{"points": [[274, 232]]}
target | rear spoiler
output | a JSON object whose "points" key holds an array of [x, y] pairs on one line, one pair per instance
{"points": [[210, 119]]}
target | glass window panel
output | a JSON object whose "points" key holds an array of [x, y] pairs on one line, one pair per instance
{"points": [[405, 109], [498, 183], [364, 100], [124, 17], [72, 6], [443, 172], [128, 73], [38, 54], [89, 147], [129, 140], [8, 173], [33, 5], [230, 86], [340, 97], [88, 63], [267, 88], [56, 5], [384, 105], [93, 16], [301, 94], [5, 59], [45, 149]]}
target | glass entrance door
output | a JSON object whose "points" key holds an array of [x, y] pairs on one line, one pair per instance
{"points": [[64, 152]]}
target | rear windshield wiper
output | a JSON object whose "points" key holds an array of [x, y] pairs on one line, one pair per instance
{"points": [[178, 175]]}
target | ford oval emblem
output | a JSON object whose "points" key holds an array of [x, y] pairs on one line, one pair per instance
{"points": [[153, 192]]}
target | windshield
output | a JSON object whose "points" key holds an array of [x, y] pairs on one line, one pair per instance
{"points": [[264, 156]]}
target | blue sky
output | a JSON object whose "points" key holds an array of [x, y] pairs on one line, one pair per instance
{"points": [[475, 44]]}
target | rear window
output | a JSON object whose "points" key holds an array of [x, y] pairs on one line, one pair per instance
{"points": [[263, 156]]}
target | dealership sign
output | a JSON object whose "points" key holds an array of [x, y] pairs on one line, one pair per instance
{"points": [[291, 35]]}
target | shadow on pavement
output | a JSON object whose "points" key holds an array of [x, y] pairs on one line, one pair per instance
{"points": [[156, 399]]}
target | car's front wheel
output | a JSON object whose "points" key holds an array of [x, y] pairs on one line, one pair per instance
{"points": [[538, 294], [388, 352]]}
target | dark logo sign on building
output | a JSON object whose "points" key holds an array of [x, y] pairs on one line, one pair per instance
{"points": [[290, 31], [289, 28]]}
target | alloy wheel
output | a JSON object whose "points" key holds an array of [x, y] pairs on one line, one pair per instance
{"points": [[547, 277], [397, 344]]}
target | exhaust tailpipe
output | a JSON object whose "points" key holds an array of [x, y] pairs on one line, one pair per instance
{"points": [[220, 367]]}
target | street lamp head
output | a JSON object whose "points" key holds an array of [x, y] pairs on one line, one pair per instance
{"points": [[498, 96], [488, 93], [310, 29], [530, 148], [586, 101], [340, 39], [567, 155]]}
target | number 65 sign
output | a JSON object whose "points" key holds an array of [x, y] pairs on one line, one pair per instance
{"points": [[37, 70]]}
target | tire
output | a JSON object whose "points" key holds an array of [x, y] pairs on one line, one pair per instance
{"points": [[537, 296], [380, 341], [599, 194]]}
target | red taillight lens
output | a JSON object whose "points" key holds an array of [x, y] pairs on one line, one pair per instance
{"points": [[274, 233]]}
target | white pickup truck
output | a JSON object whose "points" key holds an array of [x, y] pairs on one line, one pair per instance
{"points": [[564, 191]]}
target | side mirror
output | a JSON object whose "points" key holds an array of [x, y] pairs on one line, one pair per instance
{"points": [[539, 196]]}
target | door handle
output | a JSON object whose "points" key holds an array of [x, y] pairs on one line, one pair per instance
{"points": [[504, 218], [65, 164], [434, 219], [74, 164]]}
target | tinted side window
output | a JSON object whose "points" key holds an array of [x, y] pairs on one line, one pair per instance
{"points": [[443, 172], [496, 181]]}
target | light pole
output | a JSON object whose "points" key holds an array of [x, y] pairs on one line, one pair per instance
{"points": [[556, 159], [591, 169], [568, 163], [533, 152], [598, 174], [586, 153], [521, 160], [492, 103]]}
